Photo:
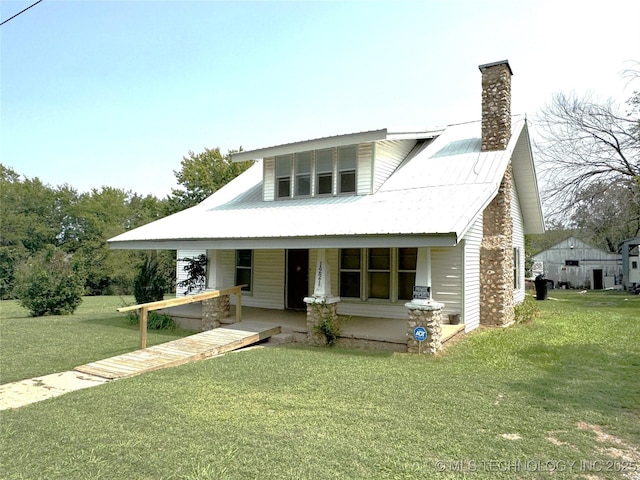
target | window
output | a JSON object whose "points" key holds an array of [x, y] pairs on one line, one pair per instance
{"points": [[516, 268], [634, 264], [347, 169], [571, 263], [303, 174], [324, 172], [379, 273], [407, 262], [244, 267], [350, 272], [328, 171], [283, 176]]}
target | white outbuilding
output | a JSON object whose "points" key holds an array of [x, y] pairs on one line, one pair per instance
{"points": [[573, 263]]}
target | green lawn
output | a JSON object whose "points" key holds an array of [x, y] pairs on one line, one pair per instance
{"points": [[523, 402], [34, 346]]}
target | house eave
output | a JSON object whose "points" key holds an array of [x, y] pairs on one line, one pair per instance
{"points": [[338, 241]]}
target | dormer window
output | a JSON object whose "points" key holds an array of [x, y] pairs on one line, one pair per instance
{"points": [[283, 176], [303, 174], [311, 173], [347, 157], [324, 172]]}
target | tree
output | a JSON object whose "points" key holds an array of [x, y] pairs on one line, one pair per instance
{"points": [[35, 216], [589, 153], [608, 214], [28, 223], [50, 283], [201, 175]]}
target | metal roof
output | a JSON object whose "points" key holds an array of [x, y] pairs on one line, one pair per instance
{"points": [[432, 198], [334, 141]]}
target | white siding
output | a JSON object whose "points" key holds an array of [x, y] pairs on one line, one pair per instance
{"points": [[373, 309], [365, 168], [181, 275], [447, 278], [388, 155], [267, 279], [518, 242], [471, 284], [269, 188]]}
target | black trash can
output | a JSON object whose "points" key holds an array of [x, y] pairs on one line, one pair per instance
{"points": [[541, 287]]}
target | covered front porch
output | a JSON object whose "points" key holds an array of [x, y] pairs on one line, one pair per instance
{"points": [[356, 331]]}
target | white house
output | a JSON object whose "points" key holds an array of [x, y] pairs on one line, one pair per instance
{"points": [[377, 223], [572, 263]]}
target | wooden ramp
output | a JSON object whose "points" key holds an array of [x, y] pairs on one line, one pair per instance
{"points": [[188, 349]]}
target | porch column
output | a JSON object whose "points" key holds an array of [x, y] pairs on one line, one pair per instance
{"points": [[215, 310], [423, 310], [428, 316], [423, 269], [322, 305]]}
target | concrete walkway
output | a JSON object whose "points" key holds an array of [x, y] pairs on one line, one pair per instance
{"points": [[32, 390]]}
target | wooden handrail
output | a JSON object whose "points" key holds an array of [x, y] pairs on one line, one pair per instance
{"points": [[174, 302]]}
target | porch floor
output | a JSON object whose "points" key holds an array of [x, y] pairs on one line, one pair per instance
{"points": [[388, 333]]}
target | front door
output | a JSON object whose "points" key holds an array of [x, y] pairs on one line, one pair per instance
{"points": [[297, 279]]}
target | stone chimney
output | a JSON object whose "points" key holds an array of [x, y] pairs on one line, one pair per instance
{"points": [[496, 249], [496, 105]]}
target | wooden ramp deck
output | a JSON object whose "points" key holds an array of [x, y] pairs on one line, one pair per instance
{"points": [[188, 349]]}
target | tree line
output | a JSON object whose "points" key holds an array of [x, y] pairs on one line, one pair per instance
{"points": [[37, 217]]}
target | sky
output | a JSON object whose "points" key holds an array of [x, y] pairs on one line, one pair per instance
{"points": [[116, 93]]}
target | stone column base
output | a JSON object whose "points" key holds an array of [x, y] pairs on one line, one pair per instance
{"points": [[429, 316], [214, 310], [320, 309]]}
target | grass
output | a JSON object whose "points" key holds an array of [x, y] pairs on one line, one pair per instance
{"points": [[34, 346], [561, 389]]}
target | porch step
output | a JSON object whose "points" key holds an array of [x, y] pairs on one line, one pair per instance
{"points": [[282, 338]]}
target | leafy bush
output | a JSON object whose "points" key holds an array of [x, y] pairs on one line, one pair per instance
{"points": [[526, 311], [328, 325], [155, 321], [149, 284], [49, 283]]}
